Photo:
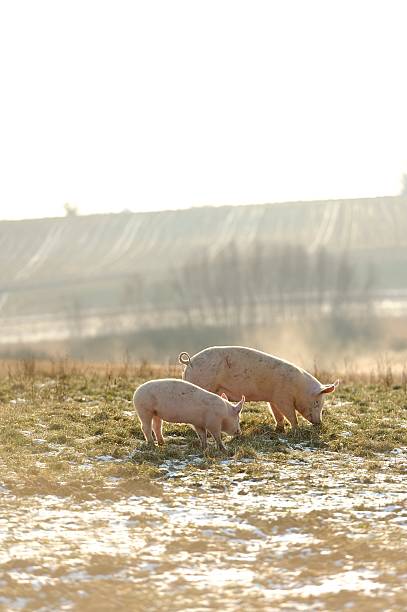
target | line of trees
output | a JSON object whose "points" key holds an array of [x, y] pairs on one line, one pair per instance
{"points": [[240, 288]]}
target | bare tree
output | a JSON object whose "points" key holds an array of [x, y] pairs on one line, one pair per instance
{"points": [[321, 273], [344, 279], [70, 210]]}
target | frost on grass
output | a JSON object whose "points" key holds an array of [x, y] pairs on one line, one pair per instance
{"points": [[311, 520]]}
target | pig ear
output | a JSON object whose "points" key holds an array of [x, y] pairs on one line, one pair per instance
{"points": [[238, 407], [224, 396], [329, 388]]}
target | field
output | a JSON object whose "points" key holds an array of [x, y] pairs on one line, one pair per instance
{"points": [[92, 519]]}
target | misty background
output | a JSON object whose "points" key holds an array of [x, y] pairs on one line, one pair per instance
{"points": [[179, 174], [323, 281]]}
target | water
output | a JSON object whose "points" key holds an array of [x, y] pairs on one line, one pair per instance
{"points": [[315, 532]]}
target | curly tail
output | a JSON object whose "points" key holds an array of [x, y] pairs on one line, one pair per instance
{"points": [[185, 359]]}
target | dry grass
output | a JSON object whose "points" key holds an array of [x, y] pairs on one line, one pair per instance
{"points": [[60, 420], [87, 503]]}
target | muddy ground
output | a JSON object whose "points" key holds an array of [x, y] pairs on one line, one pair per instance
{"points": [[91, 519]]}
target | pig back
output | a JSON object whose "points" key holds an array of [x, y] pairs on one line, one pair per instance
{"points": [[176, 400], [239, 370], [249, 372]]}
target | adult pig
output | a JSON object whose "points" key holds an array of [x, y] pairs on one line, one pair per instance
{"points": [[179, 401], [238, 370]]}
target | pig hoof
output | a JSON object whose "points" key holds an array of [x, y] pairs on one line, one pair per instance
{"points": [[280, 428]]}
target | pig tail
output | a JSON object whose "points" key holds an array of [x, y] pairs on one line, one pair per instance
{"points": [[185, 359]]}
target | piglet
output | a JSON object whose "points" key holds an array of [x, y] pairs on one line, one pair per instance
{"points": [[179, 401]]}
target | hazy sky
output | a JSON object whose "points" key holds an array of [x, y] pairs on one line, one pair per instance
{"points": [[157, 104]]}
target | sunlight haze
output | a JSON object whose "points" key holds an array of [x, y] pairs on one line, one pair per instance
{"points": [[158, 105]]}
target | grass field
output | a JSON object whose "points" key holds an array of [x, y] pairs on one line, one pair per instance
{"points": [[92, 519]]}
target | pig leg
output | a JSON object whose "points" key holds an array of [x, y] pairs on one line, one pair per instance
{"points": [[278, 416], [146, 428], [202, 436], [158, 429], [217, 436], [286, 407]]}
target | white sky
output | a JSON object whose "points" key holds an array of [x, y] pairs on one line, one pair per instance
{"points": [[157, 104]]}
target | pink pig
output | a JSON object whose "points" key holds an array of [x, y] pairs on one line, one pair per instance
{"points": [[261, 377], [178, 401]]}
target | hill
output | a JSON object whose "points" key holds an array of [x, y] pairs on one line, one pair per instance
{"points": [[72, 266]]}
